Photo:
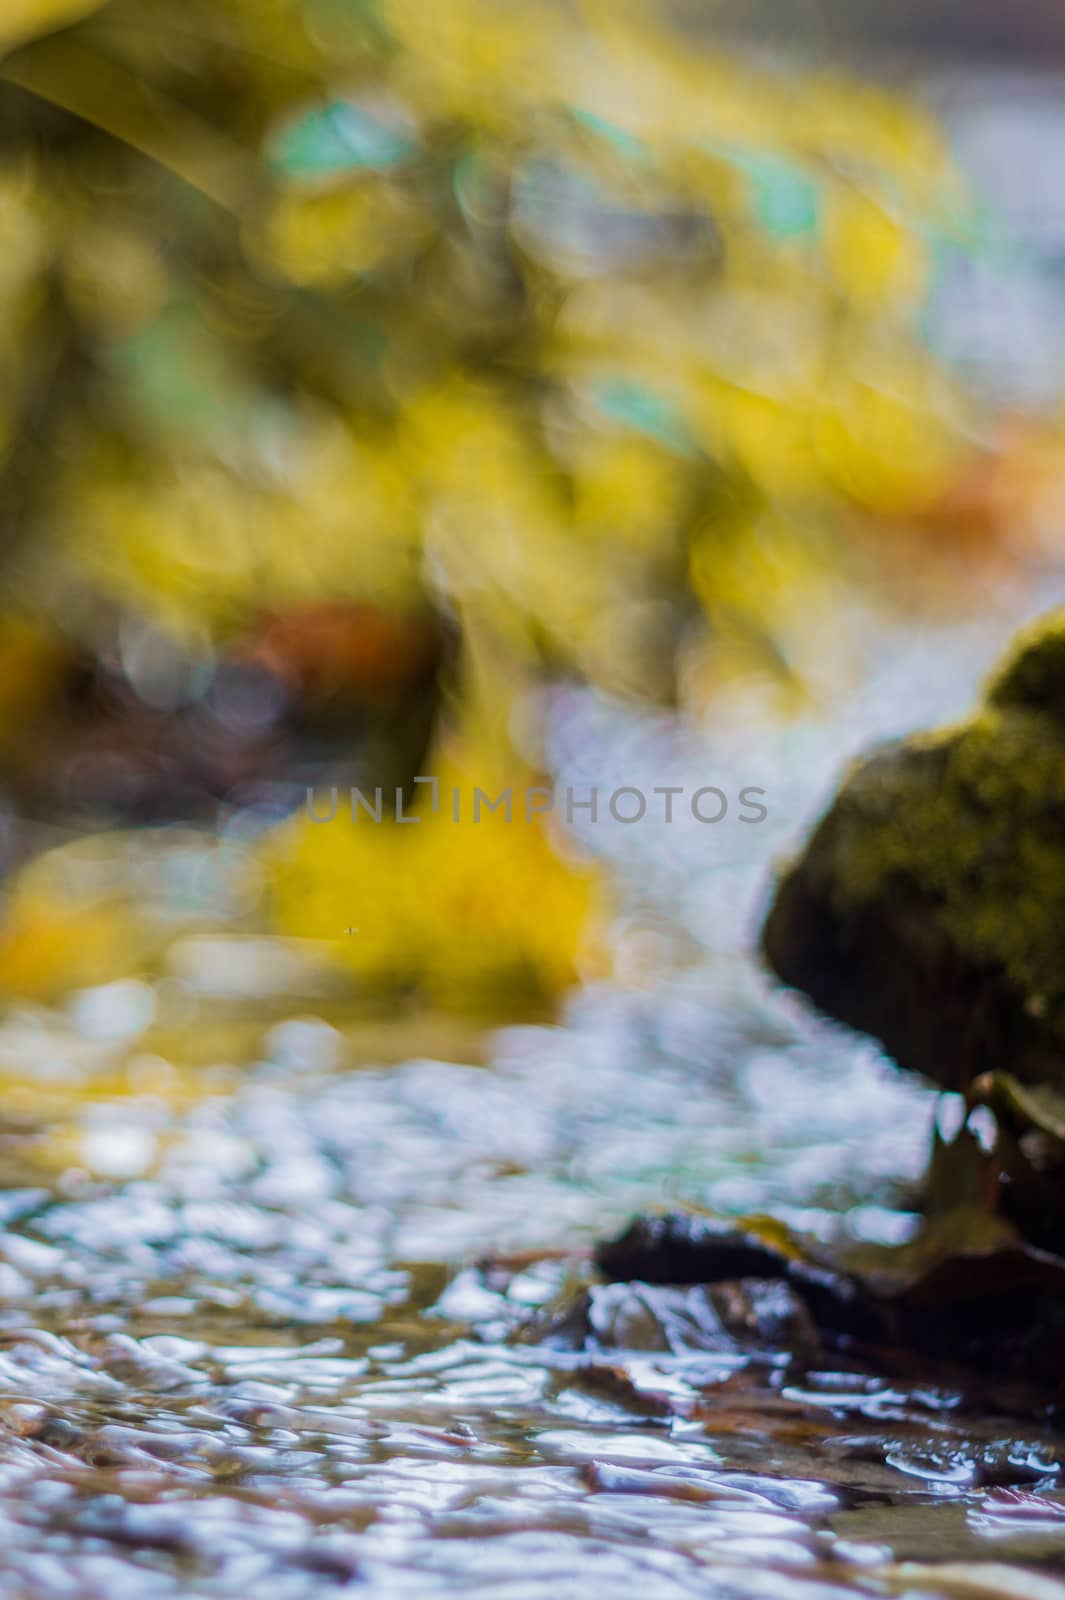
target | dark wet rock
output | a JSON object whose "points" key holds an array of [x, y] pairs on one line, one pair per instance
{"points": [[928, 906], [691, 1249], [751, 1315], [967, 1291]]}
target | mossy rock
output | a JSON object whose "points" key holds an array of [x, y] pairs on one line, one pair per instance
{"points": [[928, 907]]}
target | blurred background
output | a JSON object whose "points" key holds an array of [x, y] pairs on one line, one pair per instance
{"points": [[591, 394], [603, 394]]}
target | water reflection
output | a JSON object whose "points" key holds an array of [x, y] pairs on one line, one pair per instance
{"points": [[277, 1312]]}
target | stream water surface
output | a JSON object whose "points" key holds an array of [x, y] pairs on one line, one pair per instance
{"points": [[267, 1280]]}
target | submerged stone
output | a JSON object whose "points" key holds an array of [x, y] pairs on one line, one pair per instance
{"points": [[928, 907], [753, 1315]]}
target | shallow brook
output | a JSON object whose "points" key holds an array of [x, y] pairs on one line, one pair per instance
{"points": [[270, 1296]]}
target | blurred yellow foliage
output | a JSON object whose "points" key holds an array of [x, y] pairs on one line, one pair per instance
{"points": [[55, 937], [48, 949], [464, 912], [24, 19], [560, 321], [518, 303]]}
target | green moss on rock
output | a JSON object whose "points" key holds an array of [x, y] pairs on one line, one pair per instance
{"points": [[929, 905]]}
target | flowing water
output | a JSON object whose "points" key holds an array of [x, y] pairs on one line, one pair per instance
{"points": [[268, 1270]]}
